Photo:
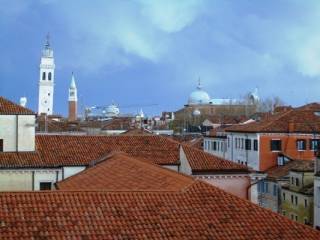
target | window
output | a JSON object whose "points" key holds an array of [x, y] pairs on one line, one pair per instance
{"points": [[248, 144], [214, 146], [45, 185], [259, 187], [296, 200], [274, 190], [228, 142], [283, 212], [242, 143], [296, 217], [292, 216], [284, 196], [218, 146], [301, 145], [306, 221], [292, 180], [292, 199], [275, 145], [49, 94], [305, 203], [49, 76], [255, 145], [262, 186], [1, 145], [44, 76], [297, 181], [314, 144]]}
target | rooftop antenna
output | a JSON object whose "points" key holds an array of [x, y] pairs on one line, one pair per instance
{"points": [[199, 83], [47, 45]]}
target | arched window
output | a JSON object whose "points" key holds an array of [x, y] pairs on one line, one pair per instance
{"points": [[44, 76], [49, 76]]}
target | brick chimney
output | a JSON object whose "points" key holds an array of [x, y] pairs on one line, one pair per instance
{"points": [[291, 126]]}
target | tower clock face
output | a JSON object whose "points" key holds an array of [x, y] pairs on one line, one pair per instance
{"points": [[45, 102]]}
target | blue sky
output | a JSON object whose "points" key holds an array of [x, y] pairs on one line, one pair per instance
{"points": [[149, 51]]}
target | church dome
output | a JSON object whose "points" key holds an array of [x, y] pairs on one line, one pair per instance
{"points": [[199, 96], [112, 111]]}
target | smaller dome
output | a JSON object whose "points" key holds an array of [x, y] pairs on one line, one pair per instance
{"points": [[112, 111], [196, 112], [199, 96]]}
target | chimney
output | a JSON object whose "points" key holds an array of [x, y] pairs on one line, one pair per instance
{"points": [[291, 126]]}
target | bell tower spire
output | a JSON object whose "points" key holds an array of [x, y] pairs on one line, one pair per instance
{"points": [[73, 100], [46, 79]]}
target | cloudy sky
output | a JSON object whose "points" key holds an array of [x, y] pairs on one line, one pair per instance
{"points": [[152, 52]]}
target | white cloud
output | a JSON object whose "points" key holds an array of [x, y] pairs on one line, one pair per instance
{"points": [[171, 16]]}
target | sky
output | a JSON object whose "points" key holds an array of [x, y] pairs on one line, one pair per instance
{"points": [[143, 52]]}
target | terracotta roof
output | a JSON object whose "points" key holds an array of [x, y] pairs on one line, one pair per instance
{"points": [[293, 165], [303, 121], [10, 108], [121, 172], [137, 132], [227, 119], [198, 212], [123, 123], [59, 150], [201, 161], [196, 143]]}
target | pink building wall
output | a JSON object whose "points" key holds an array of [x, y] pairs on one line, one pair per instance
{"points": [[236, 185]]}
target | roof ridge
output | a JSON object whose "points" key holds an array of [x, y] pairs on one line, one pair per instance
{"points": [[277, 118]]}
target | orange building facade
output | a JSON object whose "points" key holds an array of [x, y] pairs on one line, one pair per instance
{"points": [[293, 146]]}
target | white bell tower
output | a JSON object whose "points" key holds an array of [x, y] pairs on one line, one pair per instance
{"points": [[46, 82]]}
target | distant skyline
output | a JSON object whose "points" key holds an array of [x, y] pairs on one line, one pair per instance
{"points": [[152, 52]]}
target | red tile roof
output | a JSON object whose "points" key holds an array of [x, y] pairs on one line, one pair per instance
{"points": [[67, 150], [120, 123], [121, 172], [10, 108], [137, 131], [201, 161], [303, 120], [293, 165], [199, 212], [59, 150]]}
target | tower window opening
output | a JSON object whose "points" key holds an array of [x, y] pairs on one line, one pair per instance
{"points": [[49, 76], [44, 76]]}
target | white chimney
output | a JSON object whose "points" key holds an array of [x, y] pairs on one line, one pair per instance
{"points": [[23, 101]]}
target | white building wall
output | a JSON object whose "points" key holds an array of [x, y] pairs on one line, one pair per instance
{"points": [[171, 167], [15, 180], [8, 132], [17, 132], [184, 163], [30, 179], [69, 171], [26, 132], [238, 153], [215, 146], [316, 202], [50, 175]]}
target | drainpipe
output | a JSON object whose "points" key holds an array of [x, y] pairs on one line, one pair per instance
{"points": [[17, 135]]}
